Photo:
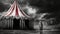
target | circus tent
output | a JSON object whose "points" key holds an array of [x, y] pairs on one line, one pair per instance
{"points": [[16, 11]]}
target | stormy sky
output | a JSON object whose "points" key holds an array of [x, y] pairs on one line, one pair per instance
{"points": [[47, 6], [44, 6]]}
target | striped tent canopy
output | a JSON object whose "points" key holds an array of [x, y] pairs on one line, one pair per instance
{"points": [[15, 11]]}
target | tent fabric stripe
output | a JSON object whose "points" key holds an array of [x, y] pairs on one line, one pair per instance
{"points": [[12, 6], [17, 11], [11, 12]]}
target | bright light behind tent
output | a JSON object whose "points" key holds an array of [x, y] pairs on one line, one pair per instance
{"points": [[31, 10]]}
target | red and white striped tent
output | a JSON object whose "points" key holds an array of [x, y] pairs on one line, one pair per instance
{"points": [[15, 11]]}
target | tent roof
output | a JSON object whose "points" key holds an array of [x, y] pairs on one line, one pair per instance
{"points": [[15, 11]]}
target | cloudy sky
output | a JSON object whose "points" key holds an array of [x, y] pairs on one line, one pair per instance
{"points": [[44, 6]]}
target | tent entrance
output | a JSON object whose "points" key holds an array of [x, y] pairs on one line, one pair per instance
{"points": [[16, 24]]}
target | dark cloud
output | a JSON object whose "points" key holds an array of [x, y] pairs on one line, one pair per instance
{"points": [[47, 5], [3, 7]]}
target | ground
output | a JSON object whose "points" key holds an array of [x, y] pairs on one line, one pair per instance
{"points": [[17, 32], [28, 32]]}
